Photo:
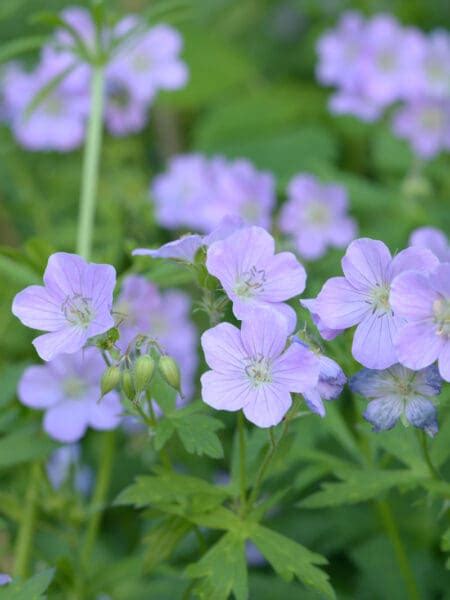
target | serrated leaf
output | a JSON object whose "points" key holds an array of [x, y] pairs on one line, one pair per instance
{"points": [[198, 434], [163, 539], [290, 559], [31, 589], [163, 393], [23, 446], [222, 570], [360, 487], [163, 432]]}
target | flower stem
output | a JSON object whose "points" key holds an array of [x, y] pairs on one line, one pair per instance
{"points": [[426, 455], [99, 496], [91, 160], [26, 530], [242, 462], [393, 533]]}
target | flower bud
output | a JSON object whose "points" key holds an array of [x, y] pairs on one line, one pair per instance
{"points": [[110, 379], [170, 371], [128, 386], [144, 367]]}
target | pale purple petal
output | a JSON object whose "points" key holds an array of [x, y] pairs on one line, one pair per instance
{"points": [[422, 413], [226, 391], [229, 225], [264, 335], [326, 332], [183, 249], [366, 263], [268, 406], [39, 387], [314, 401], [64, 274], [286, 278], [38, 308], [418, 345], [340, 305], [223, 348], [105, 413], [373, 344], [68, 340], [411, 296], [416, 259], [434, 239], [441, 280], [297, 369], [384, 413], [444, 361], [67, 421]]}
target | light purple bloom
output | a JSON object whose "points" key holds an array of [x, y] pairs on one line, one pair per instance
{"points": [[5, 579], [142, 309], [68, 389], [399, 393], [362, 298], [423, 299], [73, 305], [434, 67], [326, 333], [124, 113], [315, 216], [434, 239], [252, 370], [425, 124], [65, 462], [253, 276], [355, 103]]}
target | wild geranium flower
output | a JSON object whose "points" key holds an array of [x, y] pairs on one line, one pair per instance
{"points": [[5, 579], [329, 385], [434, 239], [434, 67], [362, 298], [251, 369], [73, 305], [124, 113], [315, 216], [399, 393], [68, 389], [142, 308], [326, 333], [64, 463], [253, 276], [423, 300]]}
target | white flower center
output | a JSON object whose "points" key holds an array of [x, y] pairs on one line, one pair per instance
{"points": [[258, 370], [142, 62], [441, 310], [386, 61], [78, 310], [250, 283], [318, 214], [74, 387], [432, 119], [380, 298]]}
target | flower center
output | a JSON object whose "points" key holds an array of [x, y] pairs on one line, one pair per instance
{"points": [[53, 105], [78, 310], [118, 94], [441, 310], [142, 62], [250, 283], [386, 61], [258, 371], [380, 298], [432, 119], [74, 387], [318, 214]]}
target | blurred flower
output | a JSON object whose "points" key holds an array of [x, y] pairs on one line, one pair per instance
{"points": [[60, 465], [73, 305], [252, 370], [199, 193], [142, 309], [425, 123], [68, 389], [434, 239], [253, 276], [325, 332], [5, 579], [124, 113], [434, 67], [315, 216], [362, 298], [399, 393], [423, 300]]}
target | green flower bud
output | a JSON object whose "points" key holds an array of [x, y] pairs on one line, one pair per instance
{"points": [[170, 371], [110, 379], [128, 385], [144, 367]]}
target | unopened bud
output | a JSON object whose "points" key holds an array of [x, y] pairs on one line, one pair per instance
{"points": [[110, 379], [128, 386], [144, 367], [170, 371]]}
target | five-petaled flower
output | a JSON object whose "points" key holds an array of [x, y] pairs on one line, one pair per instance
{"points": [[73, 305], [251, 368]]}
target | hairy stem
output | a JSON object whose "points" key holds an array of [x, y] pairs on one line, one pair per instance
{"points": [[91, 161], [100, 495], [27, 524]]}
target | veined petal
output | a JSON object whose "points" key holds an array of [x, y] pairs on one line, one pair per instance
{"points": [[411, 296], [105, 413], [268, 405], [444, 361], [223, 348], [285, 276], [373, 342], [384, 413], [339, 305], [413, 259], [226, 391], [314, 401], [66, 341], [297, 369], [366, 263], [264, 334], [422, 413], [36, 307], [417, 344]]}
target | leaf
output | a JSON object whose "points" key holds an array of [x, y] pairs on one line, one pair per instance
{"points": [[360, 487], [198, 434], [23, 446], [17, 272], [222, 570], [445, 545], [163, 539], [14, 48], [290, 559], [32, 589], [163, 432], [163, 393]]}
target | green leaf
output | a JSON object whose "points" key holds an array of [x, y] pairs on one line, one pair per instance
{"points": [[198, 434], [445, 545], [222, 570], [360, 487], [163, 432], [32, 589], [163, 393], [17, 272], [9, 376], [290, 559], [23, 446], [14, 48], [163, 539]]}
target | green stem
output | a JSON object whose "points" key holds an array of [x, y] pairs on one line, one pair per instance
{"points": [[393, 533], [26, 530], [100, 495], [91, 160], [423, 438], [242, 462]]}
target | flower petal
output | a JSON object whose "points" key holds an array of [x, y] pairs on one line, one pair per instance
{"points": [[36, 307], [64, 341], [440, 281], [366, 263], [384, 413], [64, 274], [444, 361], [339, 305], [67, 421], [39, 388], [106, 413], [297, 369], [286, 278], [225, 391], [413, 259], [314, 401], [411, 296], [417, 345], [264, 334], [422, 413], [373, 342], [268, 405], [223, 348]]}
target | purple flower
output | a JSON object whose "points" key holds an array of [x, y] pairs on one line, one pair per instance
{"points": [[68, 389], [253, 276], [63, 463], [433, 239], [124, 113], [425, 123], [315, 216], [423, 300], [252, 370], [362, 298], [398, 393], [355, 103], [434, 67], [73, 305], [142, 309], [5, 579], [325, 332]]}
